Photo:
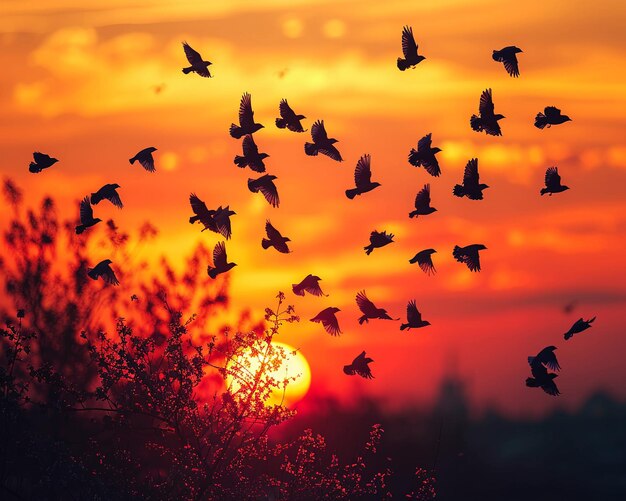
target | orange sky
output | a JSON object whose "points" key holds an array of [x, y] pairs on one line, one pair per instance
{"points": [[79, 84]]}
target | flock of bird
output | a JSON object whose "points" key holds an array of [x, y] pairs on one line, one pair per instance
{"points": [[424, 156]]}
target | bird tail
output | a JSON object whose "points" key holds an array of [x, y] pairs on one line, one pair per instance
{"points": [[352, 193], [281, 123], [297, 290], [310, 149], [531, 360], [34, 168], [532, 382], [402, 64], [187, 70], [368, 249], [404, 326], [91, 274], [240, 161], [132, 160], [496, 56], [193, 219], [458, 190], [363, 319], [79, 229], [413, 214], [413, 260], [543, 191], [235, 131], [456, 253], [567, 335], [212, 271], [413, 158], [541, 121], [476, 123], [591, 320], [265, 243]]}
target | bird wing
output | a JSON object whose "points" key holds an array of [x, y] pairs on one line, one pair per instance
{"points": [[413, 315], [219, 255], [486, 104], [222, 222], [471, 259], [331, 152], [270, 192], [425, 262], [147, 162], [552, 111], [249, 146], [470, 176], [550, 388], [363, 171], [312, 286], [272, 233], [409, 47], [425, 143], [114, 197], [108, 275], [422, 199], [549, 358], [40, 157], [318, 132], [365, 305], [538, 371], [552, 179], [193, 56], [246, 115], [198, 206], [331, 324], [86, 211], [359, 359], [285, 110]]}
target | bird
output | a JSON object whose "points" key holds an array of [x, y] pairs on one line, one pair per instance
{"points": [[329, 321], [201, 213], [362, 178], [377, 240], [220, 261], [246, 119], [550, 116], [108, 192], [553, 182], [546, 357], [222, 221], [41, 162], [413, 317], [288, 118], [86, 216], [369, 309], [579, 326], [487, 121], [508, 57], [470, 188], [542, 379], [422, 203], [424, 156], [198, 65], [468, 255], [360, 366], [409, 50], [322, 143], [145, 158], [424, 261], [251, 156], [265, 184], [275, 239], [103, 269], [309, 284]]}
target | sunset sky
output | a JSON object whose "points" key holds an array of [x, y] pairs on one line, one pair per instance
{"points": [[80, 83]]}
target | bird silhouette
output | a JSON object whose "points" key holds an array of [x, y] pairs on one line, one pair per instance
{"points": [[508, 57], [265, 184], [275, 239], [424, 156], [217, 221], [103, 270], [550, 116], [107, 192], [487, 121], [546, 357], [322, 143], [220, 261], [468, 255], [288, 118], [41, 162], [579, 326], [424, 261], [553, 182], [198, 65], [309, 284], [251, 156], [409, 50], [413, 317], [329, 320], [470, 188], [145, 158], [377, 240], [246, 119], [422, 203], [360, 366], [86, 216], [369, 309], [542, 379], [362, 178]]}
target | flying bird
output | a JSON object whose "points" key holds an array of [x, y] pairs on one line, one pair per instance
{"points": [[424, 156], [265, 184], [508, 57], [362, 178], [553, 182], [222, 221], [217, 221], [41, 162], [377, 240], [86, 216], [550, 116], [275, 239], [103, 269], [220, 261], [322, 143], [144, 157], [246, 119], [579, 326], [409, 50], [107, 192], [198, 65], [424, 261], [470, 188], [542, 379], [251, 156], [360, 366], [413, 318], [546, 357], [468, 255], [288, 118], [487, 121], [329, 321], [369, 309], [422, 203], [310, 284]]}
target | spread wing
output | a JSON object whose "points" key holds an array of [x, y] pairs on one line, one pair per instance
{"points": [[318, 132], [553, 179], [114, 197], [365, 305], [552, 111], [486, 104], [422, 199], [270, 192], [360, 359], [108, 275], [272, 233], [193, 56], [425, 262], [363, 172], [332, 152], [425, 143], [312, 286], [249, 147], [285, 111], [331, 324], [413, 316], [199, 207], [472, 260], [550, 388], [508, 58], [409, 47], [246, 115], [41, 157], [219, 255], [86, 211], [222, 222], [470, 176], [547, 357], [147, 161]]}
